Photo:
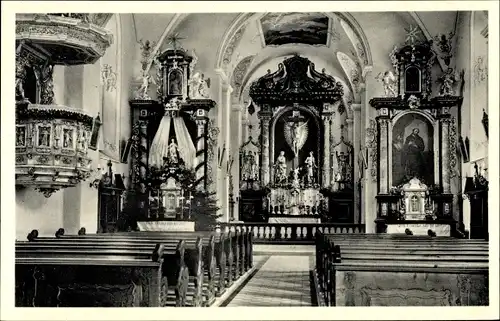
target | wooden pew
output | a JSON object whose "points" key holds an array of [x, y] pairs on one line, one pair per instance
{"points": [[237, 249], [85, 278], [191, 259], [340, 259]]}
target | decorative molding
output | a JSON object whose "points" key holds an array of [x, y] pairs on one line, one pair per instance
{"points": [[453, 141], [371, 145]]}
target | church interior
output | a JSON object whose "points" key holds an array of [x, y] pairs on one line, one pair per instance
{"points": [[175, 154]]}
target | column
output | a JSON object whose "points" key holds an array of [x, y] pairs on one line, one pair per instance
{"points": [[236, 141], [445, 155], [264, 126], [383, 157], [326, 151], [356, 141], [226, 137], [200, 162]]}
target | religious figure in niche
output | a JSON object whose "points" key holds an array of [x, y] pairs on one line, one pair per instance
{"points": [[344, 167], [172, 152], [296, 132], [44, 138], [67, 138], [447, 82], [83, 140], [20, 135], [249, 165], [280, 168], [310, 166], [412, 156], [174, 83]]}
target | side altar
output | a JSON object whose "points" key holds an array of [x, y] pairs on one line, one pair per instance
{"points": [[170, 153], [295, 167], [416, 145]]}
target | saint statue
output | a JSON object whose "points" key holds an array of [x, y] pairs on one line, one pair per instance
{"points": [[198, 86], [295, 179], [142, 93], [310, 166], [413, 155], [253, 165], [44, 137], [249, 171], [280, 168], [344, 168], [172, 151], [67, 139], [447, 82]]}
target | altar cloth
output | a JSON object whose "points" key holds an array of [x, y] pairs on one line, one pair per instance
{"points": [[294, 220], [166, 226]]}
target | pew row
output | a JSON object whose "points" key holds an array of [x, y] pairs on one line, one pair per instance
{"points": [[349, 274], [220, 246], [93, 279]]}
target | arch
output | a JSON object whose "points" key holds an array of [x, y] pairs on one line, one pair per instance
{"points": [[272, 128]]}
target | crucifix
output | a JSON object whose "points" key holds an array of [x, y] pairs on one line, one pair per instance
{"points": [[297, 121]]}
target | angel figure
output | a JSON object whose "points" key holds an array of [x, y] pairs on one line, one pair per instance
{"points": [[20, 75], [295, 177], [142, 93], [198, 86], [388, 80], [146, 50], [447, 82]]}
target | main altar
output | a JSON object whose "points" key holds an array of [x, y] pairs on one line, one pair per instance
{"points": [[297, 169]]}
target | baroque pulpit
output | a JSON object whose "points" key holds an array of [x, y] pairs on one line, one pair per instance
{"points": [[416, 146], [294, 181]]}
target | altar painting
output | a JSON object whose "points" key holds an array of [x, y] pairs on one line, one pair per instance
{"points": [[412, 150]]}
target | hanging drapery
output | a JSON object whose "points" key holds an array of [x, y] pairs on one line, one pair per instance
{"points": [[159, 146], [186, 148]]}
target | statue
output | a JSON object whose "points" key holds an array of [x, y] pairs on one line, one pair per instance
{"points": [[142, 93], [44, 137], [253, 166], [67, 139], [412, 155], [447, 82], [198, 86], [295, 179], [172, 152], [21, 63], [344, 168], [388, 80], [310, 166], [280, 168], [249, 171]]}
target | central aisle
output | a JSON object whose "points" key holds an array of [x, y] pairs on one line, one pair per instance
{"points": [[277, 281]]}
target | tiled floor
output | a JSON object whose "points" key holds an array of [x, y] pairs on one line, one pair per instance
{"points": [[280, 281]]}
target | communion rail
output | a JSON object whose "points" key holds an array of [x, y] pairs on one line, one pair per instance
{"points": [[292, 232]]}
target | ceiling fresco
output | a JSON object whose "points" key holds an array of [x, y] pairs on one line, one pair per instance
{"points": [[303, 27]]}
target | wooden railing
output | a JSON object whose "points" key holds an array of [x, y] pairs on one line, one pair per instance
{"points": [[292, 232]]}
